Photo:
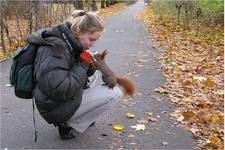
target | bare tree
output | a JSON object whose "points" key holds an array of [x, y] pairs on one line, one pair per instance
{"points": [[93, 5], [29, 19], [6, 27], [2, 31], [107, 3], [198, 13], [102, 3], [37, 9], [18, 25], [78, 4], [178, 6]]}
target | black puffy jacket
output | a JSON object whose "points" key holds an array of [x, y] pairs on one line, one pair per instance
{"points": [[59, 72]]}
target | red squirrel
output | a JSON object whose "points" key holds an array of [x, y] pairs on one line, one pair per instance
{"points": [[109, 76]]}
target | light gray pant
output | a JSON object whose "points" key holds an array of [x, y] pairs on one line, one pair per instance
{"points": [[95, 101]]}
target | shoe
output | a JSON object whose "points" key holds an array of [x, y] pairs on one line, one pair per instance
{"points": [[65, 131], [92, 124]]}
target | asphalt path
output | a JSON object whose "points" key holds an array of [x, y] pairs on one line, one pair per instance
{"points": [[130, 54]]}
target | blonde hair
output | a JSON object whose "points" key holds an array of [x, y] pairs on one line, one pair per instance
{"points": [[85, 22]]}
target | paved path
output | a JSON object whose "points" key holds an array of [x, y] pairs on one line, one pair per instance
{"points": [[128, 41]]}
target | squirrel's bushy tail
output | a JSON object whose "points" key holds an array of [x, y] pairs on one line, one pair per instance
{"points": [[128, 85]]}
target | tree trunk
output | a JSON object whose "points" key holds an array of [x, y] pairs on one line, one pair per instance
{"points": [[186, 16], [78, 4], [1, 25], [29, 21], [6, 26], [62, 12], [102, 3], [178, 6], [18, 24], [37, 9], [111, 2], [198, 13], [93, 5], [107, 3]]}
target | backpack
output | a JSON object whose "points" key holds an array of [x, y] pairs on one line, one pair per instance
{"points": [[22, 71], [22, 74]]}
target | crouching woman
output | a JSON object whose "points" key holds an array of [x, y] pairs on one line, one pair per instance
{"points": [[64, 94]]}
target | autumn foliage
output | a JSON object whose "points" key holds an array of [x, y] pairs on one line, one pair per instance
{"points": [[194, 70]]}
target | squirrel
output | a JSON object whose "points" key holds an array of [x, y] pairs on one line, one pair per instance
{"points": [[110, 78]]}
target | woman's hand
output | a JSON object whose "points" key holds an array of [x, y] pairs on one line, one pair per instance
{"points": [[86, 57]]}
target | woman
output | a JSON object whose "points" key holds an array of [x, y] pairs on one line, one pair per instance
{"points": [[62, 94]]}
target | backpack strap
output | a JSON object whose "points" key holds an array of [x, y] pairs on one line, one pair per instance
{"points": [[35, 129]]}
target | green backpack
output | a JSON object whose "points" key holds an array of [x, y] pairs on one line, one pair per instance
{"points": [[22, 71]]}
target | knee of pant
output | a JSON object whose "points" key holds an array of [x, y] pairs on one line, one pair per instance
{"points": [[117, 93]]}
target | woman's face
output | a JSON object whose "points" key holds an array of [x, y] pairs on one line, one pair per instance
{"points": [[88, 40]]}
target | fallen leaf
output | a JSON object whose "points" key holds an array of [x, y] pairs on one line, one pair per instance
{"points": [[188, 115], [200, 78], [131, 136], [118, 127], [217, 118], [139, 127], [161, 90], [175, 99], [181, 118], [149, 113], [214, 142], [219, 92], [152, 119], [129, 115], [142, 121], [164, 112], [182, 68]]}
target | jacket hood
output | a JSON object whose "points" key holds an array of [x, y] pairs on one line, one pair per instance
{"points": [[59, 37]]}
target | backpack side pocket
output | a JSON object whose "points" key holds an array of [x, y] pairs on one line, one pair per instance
{"points": [[25, 79]]}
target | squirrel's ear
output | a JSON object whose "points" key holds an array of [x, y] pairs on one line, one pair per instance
{"points": [[104, 53]]}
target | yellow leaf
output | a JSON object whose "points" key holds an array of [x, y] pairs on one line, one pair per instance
{"points": [[182, 68], [214, 142], [129, 115], [207, 118], [161, 90], [1, 55], [217, 118], [210, 83], [22, 43], [118, 127], [177, 77]]}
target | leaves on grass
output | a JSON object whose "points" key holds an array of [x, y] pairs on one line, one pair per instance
{"points": [[194, 71]]}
